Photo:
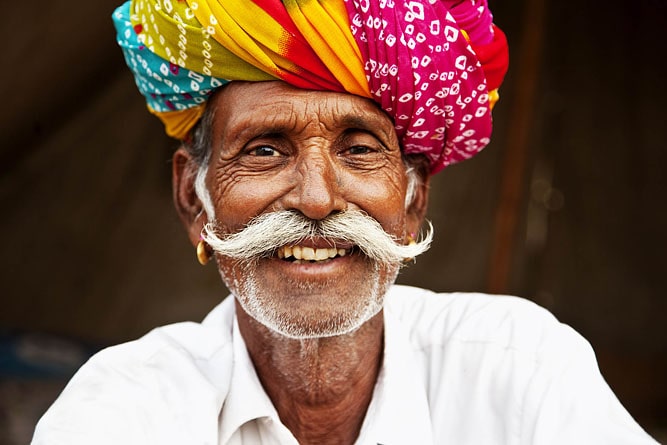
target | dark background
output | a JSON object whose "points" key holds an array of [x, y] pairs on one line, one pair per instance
{"points": [[566, 207]]}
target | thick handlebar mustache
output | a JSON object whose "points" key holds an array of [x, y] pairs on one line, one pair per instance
{"points": [[265, 233]]}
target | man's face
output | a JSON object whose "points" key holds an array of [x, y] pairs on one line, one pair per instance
{"points": [[274, 148]]}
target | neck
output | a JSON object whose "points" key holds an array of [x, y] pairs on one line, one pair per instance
{"points": [[321, 387]]}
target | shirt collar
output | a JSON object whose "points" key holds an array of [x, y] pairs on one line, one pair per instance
{"points": [[399, 410], [246, 399]]}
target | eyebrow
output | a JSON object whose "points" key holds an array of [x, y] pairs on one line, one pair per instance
{"points": [[355, 121], [369, 124], [361, 120]]}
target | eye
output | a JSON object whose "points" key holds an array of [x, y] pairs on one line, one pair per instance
{"points": [[360, 144], [264, 150], [359, 150]]}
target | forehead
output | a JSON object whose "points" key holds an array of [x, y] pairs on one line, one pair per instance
{"points": [[241, 106]]}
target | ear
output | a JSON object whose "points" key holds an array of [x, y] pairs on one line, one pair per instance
{"points": [[416, 210], [189, 207]]}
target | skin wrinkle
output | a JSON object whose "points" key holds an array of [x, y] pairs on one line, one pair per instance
{"points": [[205, 197], [267, 314], [201, 147], [320, 386], [317, 382], [227, 172]]}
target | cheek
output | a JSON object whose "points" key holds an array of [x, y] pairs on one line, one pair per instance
{"points": [[382, 196], [228, 269], [239, 198]]}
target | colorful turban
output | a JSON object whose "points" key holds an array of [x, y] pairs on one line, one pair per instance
{"points": [[433, 65]]}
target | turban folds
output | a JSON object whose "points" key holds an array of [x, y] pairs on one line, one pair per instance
{"points": [[434, 66]]}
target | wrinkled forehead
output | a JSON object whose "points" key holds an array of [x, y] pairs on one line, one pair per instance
{"points": [[275, 106]]}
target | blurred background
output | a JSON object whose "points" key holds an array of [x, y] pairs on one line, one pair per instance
{"points": [[563, 208]]}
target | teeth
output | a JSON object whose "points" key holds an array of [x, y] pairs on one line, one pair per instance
{"points": [[300, 253], [307, 253]]}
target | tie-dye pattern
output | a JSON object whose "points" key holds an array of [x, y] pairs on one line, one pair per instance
{"points": [[434, 65]]}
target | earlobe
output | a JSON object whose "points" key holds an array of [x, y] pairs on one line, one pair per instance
{"points": [[188, 206]]}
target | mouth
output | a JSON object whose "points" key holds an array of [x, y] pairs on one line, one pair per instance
{"points": [[305, 254]]}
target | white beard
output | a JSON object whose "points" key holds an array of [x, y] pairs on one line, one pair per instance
{"points": [[273, 312]]}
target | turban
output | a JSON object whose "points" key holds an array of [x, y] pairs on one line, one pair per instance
{"points": [[434, 66]]}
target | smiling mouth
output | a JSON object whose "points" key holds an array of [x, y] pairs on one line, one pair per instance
{"points": [[301, 254]]}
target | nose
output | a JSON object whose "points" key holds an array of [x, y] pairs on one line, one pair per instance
{"points": [[317, 192]]}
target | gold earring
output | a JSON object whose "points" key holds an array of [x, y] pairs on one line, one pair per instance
{"points": [[202, 253], [411, 242]]}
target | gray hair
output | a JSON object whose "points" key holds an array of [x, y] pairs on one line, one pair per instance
{"points": [[199, 144]]}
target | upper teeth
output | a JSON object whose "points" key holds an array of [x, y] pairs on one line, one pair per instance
{"points": [[309, 253]]}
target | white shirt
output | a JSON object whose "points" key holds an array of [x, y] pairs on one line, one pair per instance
{"points": [[457, 369]]}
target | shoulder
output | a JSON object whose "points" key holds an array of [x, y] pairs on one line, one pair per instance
{"points": [[157, 378], [168, 352], [433, 319], [482, 349], [512, 364], [508, 341]]}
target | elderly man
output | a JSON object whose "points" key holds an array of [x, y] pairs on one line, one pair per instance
{"points": [[306, 180]]}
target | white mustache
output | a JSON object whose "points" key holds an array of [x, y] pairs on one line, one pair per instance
{"points": [[265, 233]]}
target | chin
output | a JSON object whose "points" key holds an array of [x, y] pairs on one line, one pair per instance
{"points": [[304, 309]]}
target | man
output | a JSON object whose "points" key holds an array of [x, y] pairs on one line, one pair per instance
{"points": [[306, 180]]}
